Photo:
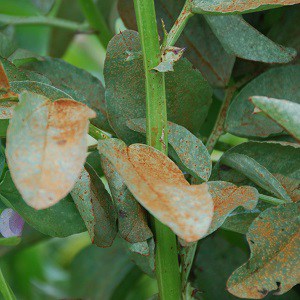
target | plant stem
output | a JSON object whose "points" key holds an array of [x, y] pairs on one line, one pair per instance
{"points": [[179, 25], [42, 20], [96, 21], [271, 200], [167, 268], [97, 133], [5, 289]]}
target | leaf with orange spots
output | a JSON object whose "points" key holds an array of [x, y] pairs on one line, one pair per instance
{"points": [[159, 185], [236, 6], [185, 148], [274, 265], [46, 147], [95, 206]]}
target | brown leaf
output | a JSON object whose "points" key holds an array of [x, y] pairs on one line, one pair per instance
{"points": [[159, 185]]}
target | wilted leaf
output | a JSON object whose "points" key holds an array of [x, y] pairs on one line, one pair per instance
{"points": [[280, 83], [202, 48], [132, 220], [185, 148], [241, 39], [239, 6], [158, 184], [188, 94], [257, 173], [46, 147], [95, 207], [60, 220], [283, 112], [274, 264], [227, 197], [78, 83]]}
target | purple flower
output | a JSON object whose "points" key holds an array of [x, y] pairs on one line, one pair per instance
{"points": [[11, 223]]}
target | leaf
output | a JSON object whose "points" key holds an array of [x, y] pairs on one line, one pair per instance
{"points": [[60, 220], [12, 72], [274, 241], [168, 59], [10, 241], [185, 148], [46, 147], [203, 49], [188, 94], [132, 220], [158, 184], [241, 39], [227, 197], [78, 83], [11, 223], [280, 83], [257, 173], [284, 113], [95, 207], [239, 6]]}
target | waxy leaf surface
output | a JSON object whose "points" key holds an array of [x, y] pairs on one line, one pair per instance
{"points": [[132, 220], [274, 265], [95, 207], [188, 93], [158, 184], [185, 148], [284, 113], [241, 39], [46, 147], [236, 6], [281, 83], [60, 220]]}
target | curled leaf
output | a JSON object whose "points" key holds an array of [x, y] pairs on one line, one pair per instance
{"points": [[159, 185], [46, 147]]}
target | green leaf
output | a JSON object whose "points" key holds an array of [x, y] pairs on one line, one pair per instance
{"points": [[241, 39], [274, 241], [46, 147], [132, 220], [257, 173], [78, 83], [280, 83], [185, 148], [60, 220], [12, 72], [10, 241], [188, 94], [283, 112], [164, 192], [203, 49], [95, 207], [232, 6]]}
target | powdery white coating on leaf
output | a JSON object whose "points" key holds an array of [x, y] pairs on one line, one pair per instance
{"points": [[159, 185], [46, 147], [236, 6], [274, 265]]}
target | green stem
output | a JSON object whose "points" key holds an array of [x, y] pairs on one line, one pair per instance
{"points": [[97, 133], [5, 289], [167, 268], [179, 25], [271, 200], [96, 21], [43, 20]]}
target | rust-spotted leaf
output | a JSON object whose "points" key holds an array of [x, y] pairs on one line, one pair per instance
{"points": [[274, 265], [46, 147], [159, 185]]}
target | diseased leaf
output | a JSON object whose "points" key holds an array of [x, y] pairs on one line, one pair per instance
{"points": [[241, 39], [257, 173], [60, 220], [95, 207], [46, 147], [12, 72], [78, 83], [132, 220], [239, 6], [188, 94], [202, 48], [227, 197], [158, 184], [280, 83], [284, 113], [274, 265], [185, 148]]}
